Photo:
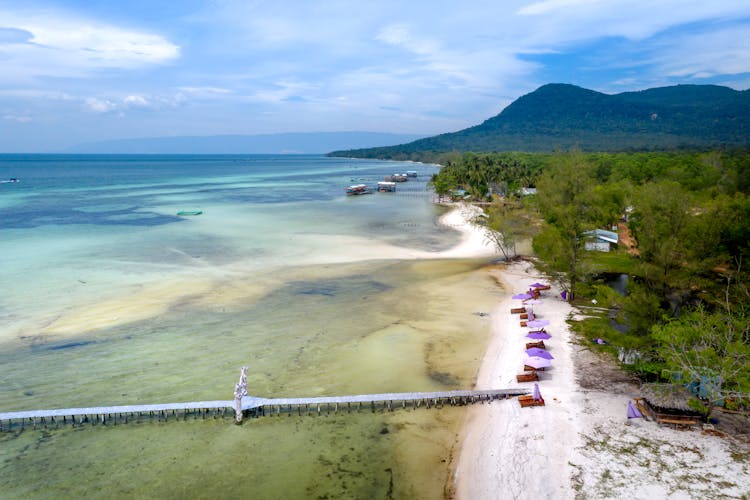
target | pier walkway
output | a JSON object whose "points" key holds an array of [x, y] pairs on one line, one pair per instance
{"points": [[251, 406]]}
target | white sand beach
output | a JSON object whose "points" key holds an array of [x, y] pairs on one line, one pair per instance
{"points": [[578, 445]]}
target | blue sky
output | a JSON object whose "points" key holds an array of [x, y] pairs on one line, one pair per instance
{"points": [[79, 71]]}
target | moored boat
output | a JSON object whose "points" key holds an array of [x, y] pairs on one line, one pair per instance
{"points": [[386, 187], [357, 189]]}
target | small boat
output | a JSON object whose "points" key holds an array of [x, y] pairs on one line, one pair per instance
{"points": [[411, 173], [357, 189], [400, 177], [10, 180], [190, 212], [386, 187]]}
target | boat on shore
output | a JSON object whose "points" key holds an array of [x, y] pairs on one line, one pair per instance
{"points": [[358, 189]]}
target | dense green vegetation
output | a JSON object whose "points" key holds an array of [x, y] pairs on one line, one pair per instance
{"points": [[686, 314], [560, 116]]}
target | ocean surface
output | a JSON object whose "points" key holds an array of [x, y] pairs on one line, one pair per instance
{"points": [[112, 298]]}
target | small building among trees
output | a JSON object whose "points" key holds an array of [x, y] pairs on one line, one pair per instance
{"points": [[600, 240]]}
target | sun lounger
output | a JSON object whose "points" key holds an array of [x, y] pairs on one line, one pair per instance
{"points": [[527, 377], [529, 400], [528, 368], [677, 423], [524, 316], [517, 310], [523, 323], [539, 344]]}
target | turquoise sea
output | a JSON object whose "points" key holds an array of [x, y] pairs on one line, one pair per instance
{"points": [[111, 298]]}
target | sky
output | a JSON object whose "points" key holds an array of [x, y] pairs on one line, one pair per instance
{"points": [[75, 71]]}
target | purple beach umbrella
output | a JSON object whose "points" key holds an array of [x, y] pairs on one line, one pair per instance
{"points": [[537, 323], [539, 353], [537, 285], [537, 362], [537, 395], [539, 335], [522, 296], [633, 411]]}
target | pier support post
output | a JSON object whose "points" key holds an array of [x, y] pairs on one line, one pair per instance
{"points": [[240, 390]]}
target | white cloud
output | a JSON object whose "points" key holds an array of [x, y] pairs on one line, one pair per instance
{"points": [[547, 6], [19, 118], [100, 105], [704, 55], [205, 91], [132, 102], [136, 101], [60, 44], [400, 35]]}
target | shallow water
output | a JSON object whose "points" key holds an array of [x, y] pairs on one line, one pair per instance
{"points": [[125, 313]]}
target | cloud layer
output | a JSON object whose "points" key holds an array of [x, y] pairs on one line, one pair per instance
{"points": [[421, 67]]}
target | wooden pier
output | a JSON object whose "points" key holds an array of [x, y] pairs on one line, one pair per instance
{"points": [[250, 406]]}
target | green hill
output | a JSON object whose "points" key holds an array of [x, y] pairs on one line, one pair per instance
{"points": [[561, 116]]}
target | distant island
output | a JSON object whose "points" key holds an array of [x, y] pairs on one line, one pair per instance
{"points": [[282, 143], [562, 116]]}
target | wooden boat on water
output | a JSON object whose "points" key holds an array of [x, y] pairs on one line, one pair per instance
{"points": [[189, 212], [358, 189], [386, 187], [396, 178]]}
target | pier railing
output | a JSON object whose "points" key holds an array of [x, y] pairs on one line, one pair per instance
{"points": [[244, 405]]}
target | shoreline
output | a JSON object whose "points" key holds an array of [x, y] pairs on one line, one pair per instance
{"points": [[580, 444], [509, 450]]}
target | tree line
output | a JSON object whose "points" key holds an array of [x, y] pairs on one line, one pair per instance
{"points": [[685, 314]]}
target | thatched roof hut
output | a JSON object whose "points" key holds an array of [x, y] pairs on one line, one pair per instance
{"points": [[668, 398]]}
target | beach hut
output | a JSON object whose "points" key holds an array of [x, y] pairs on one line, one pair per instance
{"points": [[601, 240], [668, 405]]}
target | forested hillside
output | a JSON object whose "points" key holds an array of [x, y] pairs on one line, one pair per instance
{"points": [[560, 116]]}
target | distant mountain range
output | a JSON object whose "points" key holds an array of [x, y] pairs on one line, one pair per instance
{"points": [[562, 116], [285, 143]]}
